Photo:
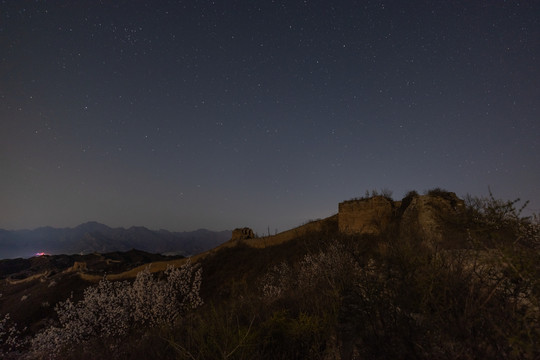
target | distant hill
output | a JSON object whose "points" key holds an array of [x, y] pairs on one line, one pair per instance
{"points": [[94, 237]]}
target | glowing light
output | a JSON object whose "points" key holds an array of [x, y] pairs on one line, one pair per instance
{"points": [[41, 254]]}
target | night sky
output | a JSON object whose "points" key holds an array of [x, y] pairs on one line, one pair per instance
{"points": [[220, 114]]}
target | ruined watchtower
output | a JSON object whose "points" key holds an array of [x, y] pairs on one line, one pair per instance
{"points": [[365, 216], [242, 234]]}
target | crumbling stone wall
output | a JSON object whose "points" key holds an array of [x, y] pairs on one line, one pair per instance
{"points": [[428, 217], [365, 216], [78, 266], [242, 234]]}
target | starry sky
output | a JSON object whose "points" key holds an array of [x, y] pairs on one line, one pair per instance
{"points": [[220, 114]]}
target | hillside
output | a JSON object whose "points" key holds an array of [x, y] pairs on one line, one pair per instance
{"points": [[31, 287], [429, 276]]}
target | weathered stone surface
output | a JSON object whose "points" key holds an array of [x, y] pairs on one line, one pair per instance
{"points": [[427, 216], [365, 216], [242, 234]]}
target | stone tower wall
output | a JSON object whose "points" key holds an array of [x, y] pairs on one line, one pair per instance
{"points": [[366, 216]]}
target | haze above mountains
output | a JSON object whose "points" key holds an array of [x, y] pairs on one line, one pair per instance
{"points": [[93, 237]]}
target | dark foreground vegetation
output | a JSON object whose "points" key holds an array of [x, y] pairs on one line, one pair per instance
{"points": [[324, 295]]}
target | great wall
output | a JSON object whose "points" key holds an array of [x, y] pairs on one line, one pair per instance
{"points": [[422, 216]]}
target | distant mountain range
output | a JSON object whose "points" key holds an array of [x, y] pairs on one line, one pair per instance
{"points": [[93, 237]]}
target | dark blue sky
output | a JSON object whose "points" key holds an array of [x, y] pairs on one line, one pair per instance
{"points": [[221, 114]]}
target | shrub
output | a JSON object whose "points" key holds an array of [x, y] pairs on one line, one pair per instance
{"points": [[303, 300], [325, 273], [112, 310], [11, 341], [224, 332]]}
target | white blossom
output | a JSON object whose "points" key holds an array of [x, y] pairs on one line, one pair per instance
{"points": [[10, 338], [111, 309], [328, 268]]}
